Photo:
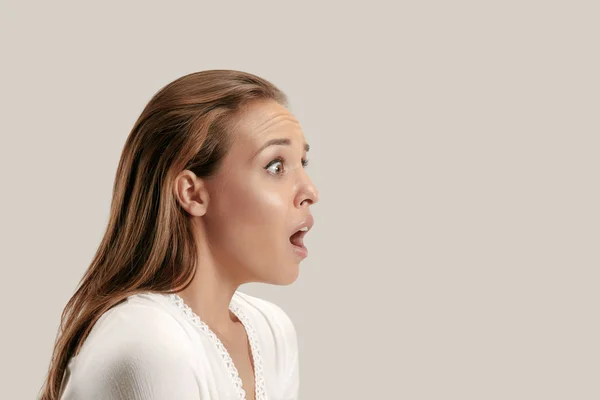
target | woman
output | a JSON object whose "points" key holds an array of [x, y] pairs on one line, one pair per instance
{"points": [[210, 193]]}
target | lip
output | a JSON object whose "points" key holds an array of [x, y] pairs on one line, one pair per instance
{"points": [[302, 251], [308, 222]]}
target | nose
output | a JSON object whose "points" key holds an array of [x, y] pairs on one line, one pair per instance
{"points": [[308, 194]]}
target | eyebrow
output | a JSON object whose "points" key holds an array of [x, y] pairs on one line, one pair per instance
{"points": [[279, 142]]}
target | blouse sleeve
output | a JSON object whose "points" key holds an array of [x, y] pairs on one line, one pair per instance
{"points": [[139, 372], [139, 355]]}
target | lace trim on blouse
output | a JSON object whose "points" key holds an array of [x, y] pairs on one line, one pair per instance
{"points": [[260, 391]]}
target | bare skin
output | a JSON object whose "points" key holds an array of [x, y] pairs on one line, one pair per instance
{"points": [[243, 218]]}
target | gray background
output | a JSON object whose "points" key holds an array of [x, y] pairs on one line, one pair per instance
{"points": [[455, 146]]}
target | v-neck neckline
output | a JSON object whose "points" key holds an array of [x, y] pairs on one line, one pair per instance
{"points": [[259, 385]]}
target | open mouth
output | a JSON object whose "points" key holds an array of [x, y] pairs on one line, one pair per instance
{"points": [[297, 239]]}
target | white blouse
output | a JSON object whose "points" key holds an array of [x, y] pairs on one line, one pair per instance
{"points": [[153, 347]]}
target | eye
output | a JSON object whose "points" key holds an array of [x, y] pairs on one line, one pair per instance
{"points": [[275, 162], [281, 160]]}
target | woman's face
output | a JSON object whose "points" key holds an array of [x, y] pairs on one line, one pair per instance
{"points": [[260, 196]]}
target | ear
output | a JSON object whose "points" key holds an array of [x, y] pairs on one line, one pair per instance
{"points": [[191, 193]]}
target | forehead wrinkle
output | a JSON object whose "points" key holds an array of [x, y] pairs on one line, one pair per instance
{"points": [[246, 129], [264, 126]]}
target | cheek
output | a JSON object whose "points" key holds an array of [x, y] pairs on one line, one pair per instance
{"points": [[254, 199], [256, 217]]}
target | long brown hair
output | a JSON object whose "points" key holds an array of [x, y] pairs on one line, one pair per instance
{"points": [[149, 244]]}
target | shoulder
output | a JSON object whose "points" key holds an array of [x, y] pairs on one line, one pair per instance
{"points": [[136, 350], [140, 322]]}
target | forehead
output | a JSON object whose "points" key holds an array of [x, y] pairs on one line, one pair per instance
{"points": [[263, 120]]}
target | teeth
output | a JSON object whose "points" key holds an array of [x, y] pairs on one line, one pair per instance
{"points": [[304, 229]]}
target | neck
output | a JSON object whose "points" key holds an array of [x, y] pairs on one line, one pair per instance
{"points": [[210, 293]]}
